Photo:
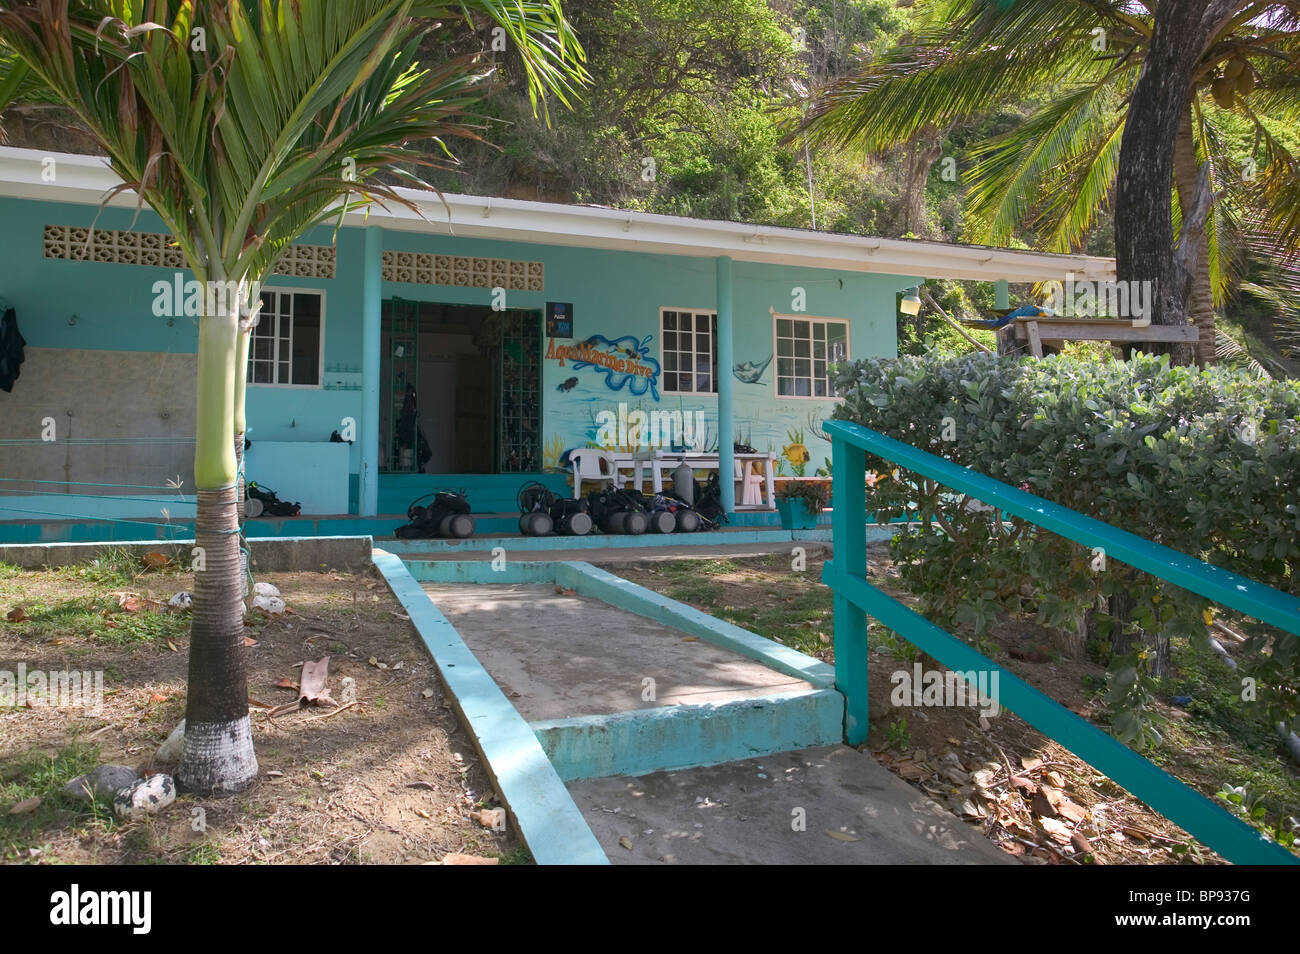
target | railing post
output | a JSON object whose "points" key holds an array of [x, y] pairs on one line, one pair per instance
{"points": [[849, 527]]}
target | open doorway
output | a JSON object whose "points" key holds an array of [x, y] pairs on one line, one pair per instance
{"points": [[461, 389]]}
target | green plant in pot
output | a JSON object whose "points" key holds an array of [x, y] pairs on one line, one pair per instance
{"points": [[800, 501]]}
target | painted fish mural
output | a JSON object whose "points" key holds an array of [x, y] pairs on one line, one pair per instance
{"points": [[568, 385], [749, 373]]}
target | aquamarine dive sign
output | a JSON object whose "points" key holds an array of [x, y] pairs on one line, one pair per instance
{"points": [[624, 361]]}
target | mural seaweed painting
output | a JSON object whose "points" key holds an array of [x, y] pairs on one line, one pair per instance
{"points": [[552, 451], [624, 361]]}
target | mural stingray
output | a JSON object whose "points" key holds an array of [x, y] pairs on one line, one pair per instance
{"points": [[747, 372], [624, 361]]}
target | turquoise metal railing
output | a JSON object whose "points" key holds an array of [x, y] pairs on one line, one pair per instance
{"points": [[855, 599]]}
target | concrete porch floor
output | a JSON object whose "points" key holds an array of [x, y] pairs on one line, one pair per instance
{"points": [[620, 556]]}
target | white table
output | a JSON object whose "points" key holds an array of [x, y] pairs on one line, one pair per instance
{"points": [[658, 461]]}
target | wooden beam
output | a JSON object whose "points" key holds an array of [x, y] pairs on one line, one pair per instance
{"points": [[1103, 331], [1035, 344]]}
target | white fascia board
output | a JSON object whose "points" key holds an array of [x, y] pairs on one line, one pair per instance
{"points": [[86, 179]]}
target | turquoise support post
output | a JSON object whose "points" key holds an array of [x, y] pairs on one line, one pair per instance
{"points": [[848, 520], [1001, 294], [726, 360], [371, 310]]}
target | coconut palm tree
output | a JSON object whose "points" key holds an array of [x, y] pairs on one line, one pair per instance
{"points": [[1079, 61], [242, 124]]}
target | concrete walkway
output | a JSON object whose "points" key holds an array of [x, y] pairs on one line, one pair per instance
{"points": [[596, 684], [557, 656], [851, 810]]}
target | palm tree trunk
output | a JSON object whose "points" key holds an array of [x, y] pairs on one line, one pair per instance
{"points": [[1144, 239], [218, 757], [920, 155], [1200, 304]]}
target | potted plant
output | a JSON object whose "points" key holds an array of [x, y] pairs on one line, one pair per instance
{"points": [[800, 501]]}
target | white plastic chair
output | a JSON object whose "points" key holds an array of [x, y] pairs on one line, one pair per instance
{"points": [[752, 493], [590, 463]]}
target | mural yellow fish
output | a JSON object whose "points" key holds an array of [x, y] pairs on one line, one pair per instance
{"points": [[796, 454]]}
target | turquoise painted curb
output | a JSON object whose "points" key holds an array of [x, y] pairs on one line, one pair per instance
{"points": [[677, 737], [548, 820], [624, 594]]}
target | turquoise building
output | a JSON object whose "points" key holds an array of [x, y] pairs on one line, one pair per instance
{"points": [[472, 344]]}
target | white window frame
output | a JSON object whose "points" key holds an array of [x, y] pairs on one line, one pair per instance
{"points": [[275, 362], [776, 356], [713, 357]]}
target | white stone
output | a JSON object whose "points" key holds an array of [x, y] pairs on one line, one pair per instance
{"points": [[147, 796], [265, 589], [169, 753], [268, 604]]}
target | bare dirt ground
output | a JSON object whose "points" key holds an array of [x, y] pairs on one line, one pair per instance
{"points": [[1032, 797], [390, 780]]}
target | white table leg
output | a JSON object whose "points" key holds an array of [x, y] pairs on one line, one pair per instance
{"points": [[771, 481]]}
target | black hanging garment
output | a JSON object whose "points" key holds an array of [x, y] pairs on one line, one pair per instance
{"points": [[11, 350], [409, 431]]}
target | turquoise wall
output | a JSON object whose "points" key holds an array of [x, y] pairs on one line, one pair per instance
{"points": [[614, 294], [113, 305]]}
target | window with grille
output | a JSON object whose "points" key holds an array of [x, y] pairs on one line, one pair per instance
{"points": [[690, 354], [805, 350], [285, 347]]}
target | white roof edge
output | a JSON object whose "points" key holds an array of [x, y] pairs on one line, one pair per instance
{"points": [[86, 179]]}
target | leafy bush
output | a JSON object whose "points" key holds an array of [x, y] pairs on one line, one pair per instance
{"points": [[1206, 462]]}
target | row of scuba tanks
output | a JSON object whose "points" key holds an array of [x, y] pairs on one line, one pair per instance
{"points": [[542, 513]]}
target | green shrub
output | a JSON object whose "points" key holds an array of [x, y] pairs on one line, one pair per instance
{"points": [[1204, 461]]}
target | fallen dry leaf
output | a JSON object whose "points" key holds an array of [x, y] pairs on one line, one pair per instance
{"points": [[26, 805], [625, 841], [842, 836], [1071, 811], [1057, 830], [312, 685], [494, 818], [456, 858], [157, 697], [172, 646], [155, 560], [285, 684]]}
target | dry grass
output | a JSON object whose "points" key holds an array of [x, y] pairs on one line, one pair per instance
{"points": [[392, 779]]}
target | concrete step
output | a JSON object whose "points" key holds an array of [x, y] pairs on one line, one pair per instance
{"points": [[609, 692], [439, 548], [827, 805]]}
